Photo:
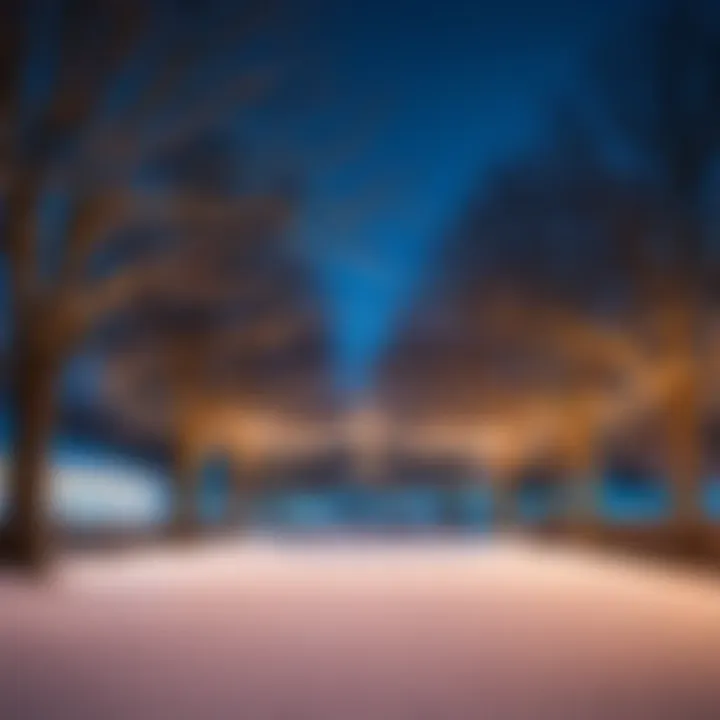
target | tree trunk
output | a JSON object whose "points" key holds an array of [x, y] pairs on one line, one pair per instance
{"points": [[184, 524], [683, 422], [449, 511], [33, 378], [583, 480], [583, 518], [505, 502], [581, 470], [239, 492], [684, 449]]}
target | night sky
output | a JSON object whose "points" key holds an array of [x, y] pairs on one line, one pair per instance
{"points": [[439, 93], [418, 101]]}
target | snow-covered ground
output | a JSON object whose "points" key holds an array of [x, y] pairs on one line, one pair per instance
{"points": [[101, 489], [424, 629]]}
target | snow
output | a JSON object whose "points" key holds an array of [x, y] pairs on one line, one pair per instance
{"points": [[99, 490], [269, 628]]}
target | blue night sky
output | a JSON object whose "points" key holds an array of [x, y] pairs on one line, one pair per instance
{"points": [[417, 102], [439, 94]]}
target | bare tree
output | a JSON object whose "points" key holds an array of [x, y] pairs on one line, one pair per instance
{"points": [[557, 285], [214, 380], [664, 97], [91, 95]]}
